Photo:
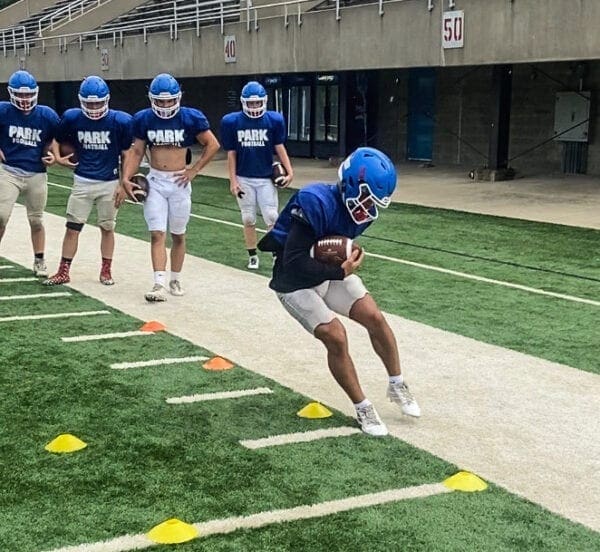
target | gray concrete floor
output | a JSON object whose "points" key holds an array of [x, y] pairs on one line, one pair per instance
{"points": [[573, 200]]}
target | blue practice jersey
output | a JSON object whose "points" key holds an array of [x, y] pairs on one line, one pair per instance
{"points": [[253, 140], [179, 131], [98, 143], [322, 207], [23, 137]]}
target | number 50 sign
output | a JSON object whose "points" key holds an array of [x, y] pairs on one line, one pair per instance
{"points": [[453, 29]]}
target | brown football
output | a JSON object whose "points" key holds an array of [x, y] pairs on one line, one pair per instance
{"points": [[67, 148], [333, 249], [278, 174], [140, 191]]}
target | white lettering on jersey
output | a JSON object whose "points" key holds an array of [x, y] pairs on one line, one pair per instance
{"points": [[25, 135], [252, 137], [166, 137], [94, 139]]}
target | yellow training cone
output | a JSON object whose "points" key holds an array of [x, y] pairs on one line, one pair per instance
{"points": [[153, 326], [218, 363], [466, 482], [314, 410], [65, 443], [172, 531]]}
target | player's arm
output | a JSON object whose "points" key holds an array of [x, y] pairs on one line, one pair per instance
{"points": [[285, 161], [131, 164], [234, 186], [296, 255], [210, 146]]}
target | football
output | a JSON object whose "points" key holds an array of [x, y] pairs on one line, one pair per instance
{"points": [[140, 191], [278, 174], [333, 249], [67, 148]]}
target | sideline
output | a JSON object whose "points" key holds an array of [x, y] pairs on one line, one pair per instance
{"points": [[524, 423]]}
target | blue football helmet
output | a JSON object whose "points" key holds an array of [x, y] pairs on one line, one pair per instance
{"points": [[165, 87], [23, 90], [254, 93], [367, 179], [93, 97]]}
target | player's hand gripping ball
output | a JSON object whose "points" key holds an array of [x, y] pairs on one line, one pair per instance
{"points": [[140, 187], [278, 174], [67, 148], [333, 249]]}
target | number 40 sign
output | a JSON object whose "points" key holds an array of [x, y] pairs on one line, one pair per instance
{"points": [[453, 29]]}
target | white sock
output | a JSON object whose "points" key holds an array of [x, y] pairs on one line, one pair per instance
{"points": [[397, 379], [175, 276], [362, 404], [159, 277]]}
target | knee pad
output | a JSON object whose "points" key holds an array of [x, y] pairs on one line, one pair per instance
{"points": [[77, 226], [270, 216], [35, 221], [249, 217], [107, 225]]}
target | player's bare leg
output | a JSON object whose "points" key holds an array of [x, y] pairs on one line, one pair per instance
{"points": [[251, 240], [177, 258], [158, 253], [366, 312], [107, 249], [69, 250], [333, 336]]}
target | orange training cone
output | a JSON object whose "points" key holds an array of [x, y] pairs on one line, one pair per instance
{"points": [[172, 531], [218, 363], [153, 326]]}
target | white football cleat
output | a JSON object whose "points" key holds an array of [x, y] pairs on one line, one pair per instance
{"points": [[399, 394], [175, 288], [370, 422], [158, 293], [253, 262], [39, 268]]}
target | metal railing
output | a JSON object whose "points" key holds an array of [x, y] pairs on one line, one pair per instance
{"points": [[68, 13], [175, 15]]}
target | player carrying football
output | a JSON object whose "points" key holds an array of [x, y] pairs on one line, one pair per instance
{"points": [[167, 129], [251, 137], [314, 292], [101, 137]]}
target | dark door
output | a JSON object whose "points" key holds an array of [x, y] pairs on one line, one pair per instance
{"points": [[326, 139], [421, 113]]}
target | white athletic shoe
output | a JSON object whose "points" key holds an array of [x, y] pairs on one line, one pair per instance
{"points": [[370, 422], [157, 294], [39, 268], [253, 262], [175, 288], [399, 393]]}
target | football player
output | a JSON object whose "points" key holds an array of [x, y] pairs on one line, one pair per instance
{"points": [[251, 137], [167, 129], [26, 131], [101, 137], [314, 292]]}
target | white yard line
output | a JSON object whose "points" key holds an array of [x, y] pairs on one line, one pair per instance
{"points": [[16, 280], [300, 437], [97, 337], [53, 315], [263, 519], [156, 362], [487, 280], [456, 273], [221, 395], [5, 267], [35, 296]]}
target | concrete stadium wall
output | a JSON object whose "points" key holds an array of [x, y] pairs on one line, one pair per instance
{"points": [[496, 31]]}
